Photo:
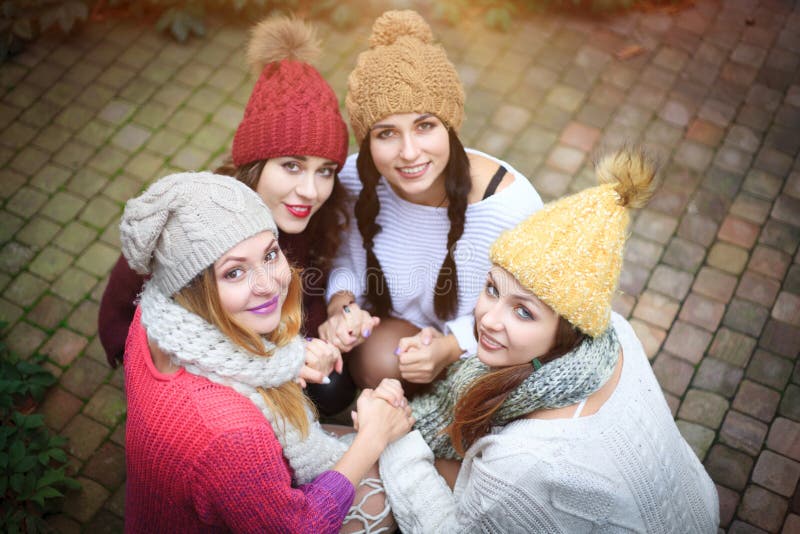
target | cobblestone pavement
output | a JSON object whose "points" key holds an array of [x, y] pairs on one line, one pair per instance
{"points": [[712, 272]]}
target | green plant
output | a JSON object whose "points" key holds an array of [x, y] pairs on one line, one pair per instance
{"points": [[23, 20], [32, 460]]}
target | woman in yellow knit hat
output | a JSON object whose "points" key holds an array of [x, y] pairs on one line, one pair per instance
{"points": [[409, 272], [559, 419]]}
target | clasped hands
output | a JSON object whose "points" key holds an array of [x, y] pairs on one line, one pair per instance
{"points": [[383, 412]]}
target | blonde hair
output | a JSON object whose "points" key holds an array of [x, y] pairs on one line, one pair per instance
{"points": [[201, 297]]}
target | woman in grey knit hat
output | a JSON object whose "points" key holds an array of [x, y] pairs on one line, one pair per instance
{"points": [[219, 435]]}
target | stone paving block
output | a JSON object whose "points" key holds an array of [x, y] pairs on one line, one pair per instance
{"points": [[687, 341], [790, 403], [14, 256], [723, 181], [763, 508], [37, 233], [656, 309], [84, 377], [702, 311], [758, 288], [698, 437], [787, 308], [672, 373], [745, 316], [106, 406], [59, 407], [743, 138], [191, 157], [100, 211], [756, 400], [165, 142], [717, 112], [49, 312], [63, 524], [675, 112], [63, 347], [107, 466], [10, 313], [740, 527], [118, 436], [642, 252], [784, 438], [704, 132], [621, 303], [791, 525], [108, 160], [50, 263], [777, 473], [23, 339], [792, 185], [130, 138], [792, 281], [105, 521], [74, 284], [773, 161], [671, 282], [670, 202], [781, 338], [743, 432], [655, 226], [63, 206], [769, 369], [26, 202], [580, 136], [762, 184], [122, 189], [25, 289], [728, 467], [564, 97], [712, 204], [715, 284], [702, 407], [566, 159], [780, 235], [84, 318], [116, 503], [75, 237], [84, 503], [84, 435], [728, 501], [694, 155], [98, 259], [650, 336], [738, 232], [732, 347], [769, 261]]}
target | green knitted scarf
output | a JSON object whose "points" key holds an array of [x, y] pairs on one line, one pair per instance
{"points": [[561, 382]]}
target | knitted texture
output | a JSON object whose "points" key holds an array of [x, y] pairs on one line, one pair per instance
{"points": [[185, 222], [561, 382], [403, 72], [201, 458], [569, 254], [292, 109], [204, 351]]}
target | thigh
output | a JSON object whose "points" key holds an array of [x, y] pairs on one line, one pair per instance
{"points": [[375, 359]]}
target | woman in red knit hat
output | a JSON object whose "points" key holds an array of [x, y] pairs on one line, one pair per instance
{"points": [[289, 147]]}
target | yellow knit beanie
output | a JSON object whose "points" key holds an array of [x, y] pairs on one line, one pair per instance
{"points": [[569, 254], [403, 72]]}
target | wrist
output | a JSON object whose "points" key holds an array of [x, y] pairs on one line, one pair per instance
{"points": [[454, 350]]}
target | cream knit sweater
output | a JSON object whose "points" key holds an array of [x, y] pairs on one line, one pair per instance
{"points": [[625, 468]]}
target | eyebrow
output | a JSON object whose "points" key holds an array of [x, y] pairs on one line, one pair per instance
{"points": [[522, 296], [423, 117], [305, 158], [238, 259]]}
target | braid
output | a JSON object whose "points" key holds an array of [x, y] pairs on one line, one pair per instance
{"points": [[457, 185], [366, 212]]}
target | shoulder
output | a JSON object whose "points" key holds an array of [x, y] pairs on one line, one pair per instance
{"points": [[514, 191], [348, 176]]}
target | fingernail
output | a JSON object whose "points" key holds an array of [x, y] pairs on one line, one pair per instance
{"points": [[366, 333], [397, 351], [308, 338], [326, 380]]}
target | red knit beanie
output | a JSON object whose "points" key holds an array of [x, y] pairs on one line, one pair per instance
{"points": [[292, 110]]}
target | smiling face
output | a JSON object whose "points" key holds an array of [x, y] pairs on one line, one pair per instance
{"points": [[411, 151], [513, 326], [252, 281], [295, 188]]}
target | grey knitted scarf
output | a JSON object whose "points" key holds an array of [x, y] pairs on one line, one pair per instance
{"points": [[561, 382], [203, 350]]}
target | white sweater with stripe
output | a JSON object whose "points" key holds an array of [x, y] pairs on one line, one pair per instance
{"points": [[625, 468], [412, 245]]}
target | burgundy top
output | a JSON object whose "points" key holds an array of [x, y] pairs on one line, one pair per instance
{"points": [[202, 458], [124, 285]]}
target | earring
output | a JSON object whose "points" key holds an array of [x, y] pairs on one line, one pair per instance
{"points": [[536, 364]]}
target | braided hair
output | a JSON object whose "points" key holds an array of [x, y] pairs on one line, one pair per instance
{"points": [[458, 184]]}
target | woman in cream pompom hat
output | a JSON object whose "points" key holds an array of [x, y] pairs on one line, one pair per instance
{"points": [[426, 209]]}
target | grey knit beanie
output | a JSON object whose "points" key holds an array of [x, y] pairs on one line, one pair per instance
{"points": [[185, 222]]}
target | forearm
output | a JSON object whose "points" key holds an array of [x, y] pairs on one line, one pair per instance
{"points": [[359, 458]]}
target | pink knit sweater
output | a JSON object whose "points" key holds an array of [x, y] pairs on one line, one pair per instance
{"points": [[202, 458]]}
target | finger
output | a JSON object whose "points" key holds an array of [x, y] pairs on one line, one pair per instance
{"points": [[301, 382], [312, 375], [339, 365], [354, 417]]}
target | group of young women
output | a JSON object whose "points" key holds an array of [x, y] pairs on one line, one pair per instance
{"points": [[424, 270]]}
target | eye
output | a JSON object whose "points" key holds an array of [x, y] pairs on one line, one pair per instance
{"points": [[326, 172], [384, 134], [426, 126], [234, 274], [523, 313], [491, 290], [292, 166], [271, 255]]}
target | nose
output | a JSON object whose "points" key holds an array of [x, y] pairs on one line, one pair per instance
{"points": [[492, 318], [410, 150], [261, 281], [307, 187]]}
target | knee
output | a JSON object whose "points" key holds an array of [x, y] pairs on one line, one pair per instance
{"points": [[369, 367]]}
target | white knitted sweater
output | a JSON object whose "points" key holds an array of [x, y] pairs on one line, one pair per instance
{"points": [[413, 242], [625, 468]]}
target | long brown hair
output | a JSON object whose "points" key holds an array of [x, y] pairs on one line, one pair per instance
{"points": [[325, 228], [473, 413], [201, 296], [458, 184]]}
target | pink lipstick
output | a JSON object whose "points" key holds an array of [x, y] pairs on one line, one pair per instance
{"points": [[266, 308]]}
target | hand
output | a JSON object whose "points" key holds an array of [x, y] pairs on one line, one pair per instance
{"points": [[347, 325], [380, 422], [323, 356], [423, 357], [391, 391]]}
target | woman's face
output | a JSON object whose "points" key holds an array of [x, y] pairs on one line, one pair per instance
{"points": [[411, 151], [295, 188], [253, 280], [513, 325]]}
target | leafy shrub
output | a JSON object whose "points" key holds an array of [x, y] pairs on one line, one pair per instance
{"points": [[24, 20], [32, 460]]}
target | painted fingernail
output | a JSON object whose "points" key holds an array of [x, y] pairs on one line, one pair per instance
{"points": [[366, 332], [397, 351], [326, 380], [308, 338]]}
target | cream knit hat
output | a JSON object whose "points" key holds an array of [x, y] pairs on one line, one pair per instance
{"points": [[185, 222], [569, 254], [403, 72]]}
